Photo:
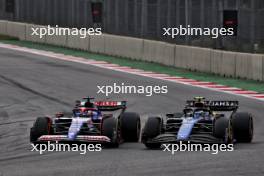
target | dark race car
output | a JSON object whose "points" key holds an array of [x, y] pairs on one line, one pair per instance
{"points": [[90, 121], [201, 121]]}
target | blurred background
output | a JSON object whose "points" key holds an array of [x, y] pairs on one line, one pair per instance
{"points": [[146, 18]]}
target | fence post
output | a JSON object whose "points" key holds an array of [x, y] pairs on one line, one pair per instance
{"points": [[144, 17], [158, 18], [252, 23]]}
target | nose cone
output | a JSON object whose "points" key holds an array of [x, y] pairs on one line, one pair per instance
{"points": [[75, 128], [186, 129], [182, 136], [72, 135]]}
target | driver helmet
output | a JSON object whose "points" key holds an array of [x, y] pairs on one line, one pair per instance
{"points": [[79, 112], [199, 102]]}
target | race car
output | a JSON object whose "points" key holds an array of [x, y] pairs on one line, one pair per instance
{"points": [[90, 121], [201, 121]]}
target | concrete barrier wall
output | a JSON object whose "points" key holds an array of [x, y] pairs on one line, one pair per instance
{"points": [[180, 52], [76, 42], [201, 59], [113, 45], [183, 57], [216, 61], [263, 68], [165, 53], [231, 64], [3, 25], [123, 46], [133, 48], [149, 51], [257, 67], [59, 40], [158, 52], [97, 43], [228, 64], [243, 65], [15, 29], [193, 58], [34, 38], [249, 66], [239, 65]]}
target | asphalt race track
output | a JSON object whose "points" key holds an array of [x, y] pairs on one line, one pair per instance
{"points": [[32, 85]]}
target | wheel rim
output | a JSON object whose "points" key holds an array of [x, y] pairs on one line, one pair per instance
{"points": [[229, 134]]}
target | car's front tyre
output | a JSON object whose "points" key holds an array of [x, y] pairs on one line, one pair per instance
{"points": [[111, 129], [151, 130], [42, 126], [131, 126]]}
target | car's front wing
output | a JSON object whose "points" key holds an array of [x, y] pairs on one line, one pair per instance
{"points": [[195, 138], [79, 138]]}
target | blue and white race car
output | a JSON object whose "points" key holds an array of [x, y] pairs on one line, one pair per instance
{"points": [[91, 122], [201, 121]]}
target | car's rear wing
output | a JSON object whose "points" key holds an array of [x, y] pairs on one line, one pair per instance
{"points": [[223, 105], [216, 105], [110, 105]]}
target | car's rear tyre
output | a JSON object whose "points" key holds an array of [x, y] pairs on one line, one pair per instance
{"points": [[223, 129], [131, 126], [243, 127], [151, 130], [111, 129], [42, 126]]}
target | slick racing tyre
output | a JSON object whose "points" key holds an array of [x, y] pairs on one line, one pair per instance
{"points": [[111, 129], [223, 129], [42, 126], [151, 130], [243, 127], [130, 125]]}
